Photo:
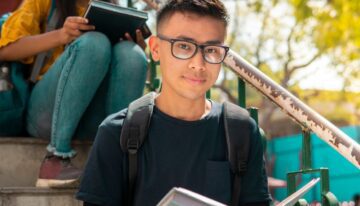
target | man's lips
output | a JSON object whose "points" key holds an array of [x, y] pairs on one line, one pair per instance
{"points": [[194, 80]]}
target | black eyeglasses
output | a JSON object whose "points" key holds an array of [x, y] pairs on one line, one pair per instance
{"points": [[183, 49]]}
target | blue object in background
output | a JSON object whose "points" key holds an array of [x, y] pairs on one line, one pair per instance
{"points": [[344, 176]]}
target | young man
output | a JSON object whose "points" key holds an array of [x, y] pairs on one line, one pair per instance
{"points": [[186, 146]]}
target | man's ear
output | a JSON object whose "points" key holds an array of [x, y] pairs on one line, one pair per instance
{"points": [[154, 48]]}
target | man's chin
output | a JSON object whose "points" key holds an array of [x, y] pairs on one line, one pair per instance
{"points": [[194, 96]]}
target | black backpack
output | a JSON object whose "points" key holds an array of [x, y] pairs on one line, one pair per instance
{"points": [[135, 130]]}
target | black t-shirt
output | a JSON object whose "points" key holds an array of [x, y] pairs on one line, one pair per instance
{"points": [[177, 153]]}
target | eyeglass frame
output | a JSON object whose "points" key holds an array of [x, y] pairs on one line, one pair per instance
{"points": [[197, 46]]}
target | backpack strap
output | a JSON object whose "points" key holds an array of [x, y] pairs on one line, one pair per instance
{"points": [[133, 134], [41, 58], [237, 133]]}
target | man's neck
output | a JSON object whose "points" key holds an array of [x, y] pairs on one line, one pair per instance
{"points": [[182, 108]]}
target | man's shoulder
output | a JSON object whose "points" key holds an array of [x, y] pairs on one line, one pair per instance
{"points": [[114, 120], [240, 115], [241, 112]]}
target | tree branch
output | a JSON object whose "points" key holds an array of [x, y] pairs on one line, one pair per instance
{"points": [[227, 92], [235, 27], [261, 39], [317, 55]]}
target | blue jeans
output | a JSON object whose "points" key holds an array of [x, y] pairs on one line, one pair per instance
{"points": [[89, 81]]}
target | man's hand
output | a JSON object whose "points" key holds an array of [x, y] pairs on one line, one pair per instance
{"points": [[73, 27], [139, 39]]}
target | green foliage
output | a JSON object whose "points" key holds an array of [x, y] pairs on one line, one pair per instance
{"points": [[277, 75], [257, 6], [338, 25], [302, 11]]}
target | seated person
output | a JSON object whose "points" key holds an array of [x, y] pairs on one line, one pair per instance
{"points": [[79, 84]]}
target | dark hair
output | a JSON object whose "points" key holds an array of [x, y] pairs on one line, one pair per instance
{"points": [[212, 8], [68, 8]]}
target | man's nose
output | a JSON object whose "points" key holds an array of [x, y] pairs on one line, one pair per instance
{"points": [[197, 61]]}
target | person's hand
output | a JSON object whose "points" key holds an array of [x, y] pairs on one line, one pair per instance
{"points": [[139, 39], [73, 27]]}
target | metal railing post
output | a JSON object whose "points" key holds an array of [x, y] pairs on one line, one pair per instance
{"points": [[241, 93], [306, 149]]}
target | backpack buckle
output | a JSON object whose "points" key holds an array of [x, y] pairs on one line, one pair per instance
{"points": [[133, 145]]}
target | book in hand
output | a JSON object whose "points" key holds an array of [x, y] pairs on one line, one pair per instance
{"points": [[182, 197], [114, 20]]}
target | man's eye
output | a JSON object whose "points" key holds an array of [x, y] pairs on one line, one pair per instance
{"points": [[211, 50], [184, 46]]}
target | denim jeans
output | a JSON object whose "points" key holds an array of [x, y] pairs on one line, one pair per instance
{"points": [[89, 81]]}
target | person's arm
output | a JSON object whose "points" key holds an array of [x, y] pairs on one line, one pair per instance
{"points": [[139, 39], [103, 181], [32, 45], [254, 186]]}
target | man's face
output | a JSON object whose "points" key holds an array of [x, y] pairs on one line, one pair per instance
{"points": [[189, 78]]}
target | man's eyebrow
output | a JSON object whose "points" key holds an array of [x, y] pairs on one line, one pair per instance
{"points": [[193, 40]]}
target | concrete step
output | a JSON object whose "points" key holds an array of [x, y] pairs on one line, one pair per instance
{"points": [[31, 196], [20, 159]]}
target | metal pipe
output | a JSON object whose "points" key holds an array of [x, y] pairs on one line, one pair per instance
{"points": [[296, 109]]}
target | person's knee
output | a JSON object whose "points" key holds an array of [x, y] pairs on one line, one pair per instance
{"points": [[94, 50], [131, 55], [94, 43]]}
